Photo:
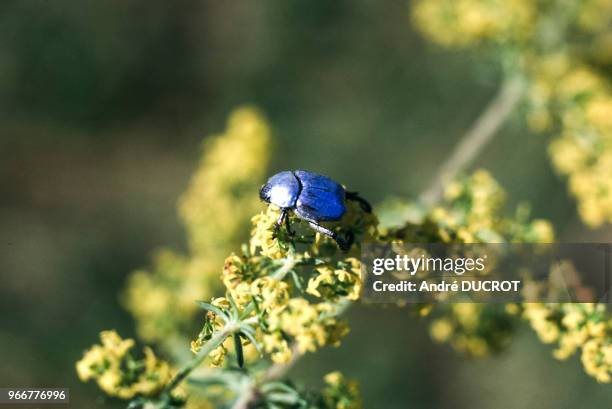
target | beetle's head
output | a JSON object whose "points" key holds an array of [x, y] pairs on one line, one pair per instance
{"points": [[264, 193]]}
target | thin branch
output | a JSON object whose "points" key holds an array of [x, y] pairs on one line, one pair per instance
{"points": [[246, 397], [249, 394], [476, 138], [277, 371]]}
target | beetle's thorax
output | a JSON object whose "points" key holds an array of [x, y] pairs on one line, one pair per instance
{"points": [[282, 190]]}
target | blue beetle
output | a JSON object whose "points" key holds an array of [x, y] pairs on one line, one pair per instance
{"points": [[311, 197]]}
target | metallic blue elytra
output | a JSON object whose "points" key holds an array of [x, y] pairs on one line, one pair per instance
{"points": [[321, 198], [312, 197]]}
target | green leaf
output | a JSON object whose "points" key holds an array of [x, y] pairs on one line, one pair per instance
{"points": [[271, 386], [234, 307], [209, 307], [239, 352], [281, 397], [207, 381], [252, 339], [247, 311], [297, 281]]}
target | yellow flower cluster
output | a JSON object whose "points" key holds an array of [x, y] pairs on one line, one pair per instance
{"points": [[266, 291], [223, 193], [343, 281], [470, 213], [162, 299], [579, 100], [472, 216], [215, 209], [597, 358], [237, 270], [528, 27], [595, 16], [310, 325], [586, 327], [341, 393], [478, 329], [118, 373], [468, 22], [474, 329]]}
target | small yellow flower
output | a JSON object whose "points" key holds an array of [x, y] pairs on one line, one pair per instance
{"points": [[341, 393], [109, 381], [217, 356], [333, 378], [93, 358], [271, 293], [441, 330]]}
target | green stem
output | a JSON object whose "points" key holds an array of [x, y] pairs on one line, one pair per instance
{"points": [[287, 266], [216, 340]]}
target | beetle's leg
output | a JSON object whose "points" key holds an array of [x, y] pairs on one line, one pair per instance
{"points": [[365, 206], [283, 218], [344, 244], [279, 223], [288, 225]]}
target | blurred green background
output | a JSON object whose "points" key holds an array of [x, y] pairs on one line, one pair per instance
{"points": [[103, 106]]}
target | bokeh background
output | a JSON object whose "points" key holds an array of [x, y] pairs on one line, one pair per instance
{"points": [[104, 106]]}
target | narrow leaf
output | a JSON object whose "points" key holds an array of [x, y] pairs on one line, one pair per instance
{"points": [[252, 339], [239, 352], [209, 307]]}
